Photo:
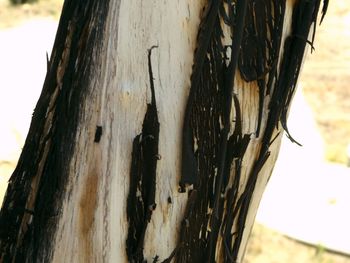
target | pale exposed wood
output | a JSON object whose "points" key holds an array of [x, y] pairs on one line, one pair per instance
{"points": [[95, 228], [93, 224], [118, 104]]}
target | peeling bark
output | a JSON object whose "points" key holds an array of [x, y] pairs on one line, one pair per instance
{"points": [[40, 178], [207, 159], [89, 187], [141, 198]]}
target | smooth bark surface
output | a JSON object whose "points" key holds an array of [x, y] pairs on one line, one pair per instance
{"points": [[125, 164]]}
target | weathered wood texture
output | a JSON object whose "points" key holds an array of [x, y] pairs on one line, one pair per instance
{"points": [[199, 143]]}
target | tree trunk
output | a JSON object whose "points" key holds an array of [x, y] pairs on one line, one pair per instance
{"points": [[144, 154]]}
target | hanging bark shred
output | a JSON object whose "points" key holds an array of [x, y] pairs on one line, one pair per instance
{"points": [[28, 217], [141, 198], [210, 157]]}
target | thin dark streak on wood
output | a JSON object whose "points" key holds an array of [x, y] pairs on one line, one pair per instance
{"points": [[142, 190], [241, 210], [47, 62], [324, 9], [237, 147]]}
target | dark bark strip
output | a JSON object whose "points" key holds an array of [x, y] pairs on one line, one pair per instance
{"points": [[304, 15], [211, 161], [209, 121], [28, 237], [261, 46], [206, 30], [141, 198]]}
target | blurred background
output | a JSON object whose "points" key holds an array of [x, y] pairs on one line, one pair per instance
{"points": [[304, 214]]}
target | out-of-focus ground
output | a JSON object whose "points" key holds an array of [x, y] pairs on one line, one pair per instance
{"points": [[11, 16], [306, 199], [22, 71], [26, 33], [269, 246], [326, 79]]}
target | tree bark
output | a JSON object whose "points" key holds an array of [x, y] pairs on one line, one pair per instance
{"points": [[144, 154]]}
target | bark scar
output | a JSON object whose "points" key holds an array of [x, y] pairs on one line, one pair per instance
{"points": [[141, 198]]}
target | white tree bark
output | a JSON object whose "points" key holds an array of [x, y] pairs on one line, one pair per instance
{"points": [[91, 224], [118, 103]]}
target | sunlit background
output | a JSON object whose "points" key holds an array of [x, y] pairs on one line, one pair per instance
{"points": [[304, 215]]}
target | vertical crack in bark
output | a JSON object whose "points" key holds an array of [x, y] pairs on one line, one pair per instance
{"points": [[141, 198], [211, 159]]}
